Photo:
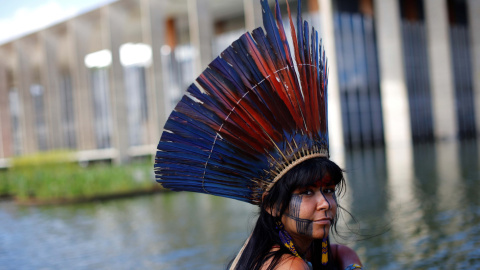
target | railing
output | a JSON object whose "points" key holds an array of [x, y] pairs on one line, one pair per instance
{"points": [[93, 155]]}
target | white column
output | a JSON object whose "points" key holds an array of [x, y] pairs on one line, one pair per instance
{"points": [[396, 116], [5, 127], [392, 78], [23, 77], [253, 14], [201, 33], [440, 64], [49, 76], [153, 33], [82, 96], [473, 8], [114, 20], [335, 130]]}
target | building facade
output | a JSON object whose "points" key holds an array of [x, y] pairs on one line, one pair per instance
{"points": [[102, 83]]}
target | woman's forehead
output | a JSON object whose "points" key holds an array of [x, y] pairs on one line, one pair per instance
{"points": [[326, 180]]}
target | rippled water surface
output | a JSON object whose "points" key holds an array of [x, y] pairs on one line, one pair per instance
{"points": [[418, 213], [429, 214]]}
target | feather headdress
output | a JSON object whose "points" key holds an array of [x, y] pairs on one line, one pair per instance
{"points": [[252, 115]]}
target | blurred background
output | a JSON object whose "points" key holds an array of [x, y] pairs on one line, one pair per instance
{"points": [[86, 86]]}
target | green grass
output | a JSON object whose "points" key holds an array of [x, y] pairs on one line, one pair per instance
{"points": [[54, 177]]}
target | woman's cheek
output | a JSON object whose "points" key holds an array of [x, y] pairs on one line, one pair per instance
{"points": [[302, 226]]}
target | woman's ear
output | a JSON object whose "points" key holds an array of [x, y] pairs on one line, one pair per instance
{"points": [[264, 195], [273, 211], [267, 208]]}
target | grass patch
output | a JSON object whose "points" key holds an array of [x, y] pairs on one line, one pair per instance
{"points": [[54, 177]]}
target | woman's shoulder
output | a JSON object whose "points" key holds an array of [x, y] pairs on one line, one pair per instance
{"points": [[291, 262], [287, 261], [344, 256], [338, 249]]}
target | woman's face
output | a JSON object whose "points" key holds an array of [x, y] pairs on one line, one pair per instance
{"points": [[311, 211]]}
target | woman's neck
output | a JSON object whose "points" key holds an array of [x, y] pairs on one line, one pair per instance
{"points": [[302, 245]]}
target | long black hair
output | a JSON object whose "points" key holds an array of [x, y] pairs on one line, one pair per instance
{"points": [[265, 235]]}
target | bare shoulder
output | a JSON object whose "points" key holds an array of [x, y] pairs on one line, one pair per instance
{"points": [[289, 262], [344, 255], [341, 250]]}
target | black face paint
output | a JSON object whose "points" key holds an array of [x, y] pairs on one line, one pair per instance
{"points": [[304, 226]]}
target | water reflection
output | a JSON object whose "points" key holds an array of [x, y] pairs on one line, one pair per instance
{"points": [[431, 219], [426, 218]]}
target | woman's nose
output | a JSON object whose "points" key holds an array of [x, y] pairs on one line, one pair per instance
{"points": [[322, 202]]}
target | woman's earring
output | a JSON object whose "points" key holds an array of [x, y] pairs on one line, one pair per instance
{"points": [[324, 252], [286, 239]]}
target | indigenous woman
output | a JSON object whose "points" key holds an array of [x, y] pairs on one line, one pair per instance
{"points": [[294, 235], [254, 128]]}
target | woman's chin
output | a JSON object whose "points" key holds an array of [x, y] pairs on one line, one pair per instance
{"points": [[319, 236], [321, 233]]}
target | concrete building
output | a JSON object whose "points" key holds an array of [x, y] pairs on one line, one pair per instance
{"points": [[103, 83]]}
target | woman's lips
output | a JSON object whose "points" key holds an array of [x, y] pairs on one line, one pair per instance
{"points": [[323, 221]]}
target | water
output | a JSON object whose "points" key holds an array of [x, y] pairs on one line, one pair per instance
{"points": [[428, 216], [425, 216], [165, 231]]}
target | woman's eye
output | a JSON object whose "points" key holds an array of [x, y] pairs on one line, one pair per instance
{"points": [[328, 190], [307, 192]]}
